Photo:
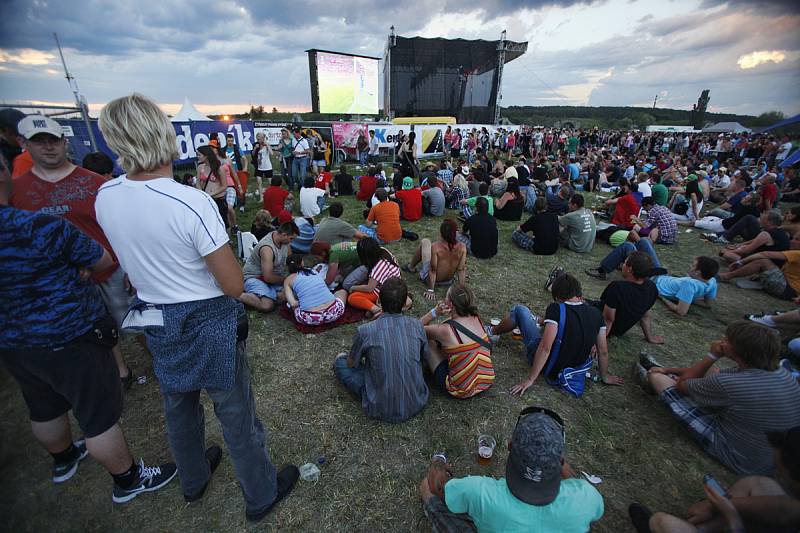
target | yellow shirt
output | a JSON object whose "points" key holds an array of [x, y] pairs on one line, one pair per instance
{"points": [[791, 269]]}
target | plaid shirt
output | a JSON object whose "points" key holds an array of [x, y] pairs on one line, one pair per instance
{"points": [[446, 175], [661, 217], [454, 197]]}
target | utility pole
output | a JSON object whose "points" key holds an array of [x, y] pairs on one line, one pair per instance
{"points": [[80, 101], [501, 60], [654, 101]]}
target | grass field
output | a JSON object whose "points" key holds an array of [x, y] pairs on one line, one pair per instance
{"points": [[369, 481]]}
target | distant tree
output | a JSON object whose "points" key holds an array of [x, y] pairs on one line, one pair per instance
{"points": [[770, 117], [274, 110]]}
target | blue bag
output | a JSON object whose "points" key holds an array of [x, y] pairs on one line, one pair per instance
{"points": [[570, 380]]}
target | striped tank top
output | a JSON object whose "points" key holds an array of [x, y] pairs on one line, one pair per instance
{"points": [[470, 369]]}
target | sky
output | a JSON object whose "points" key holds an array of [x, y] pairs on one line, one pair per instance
{"points": [[225, 55]]}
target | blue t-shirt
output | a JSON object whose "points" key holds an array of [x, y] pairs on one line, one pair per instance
{"points": [[736, 198], [574, 171], [45, 303], [686, 289], [492, 507]]}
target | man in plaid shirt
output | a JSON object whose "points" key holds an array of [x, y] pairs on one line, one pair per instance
{"points": [[660, 226]]}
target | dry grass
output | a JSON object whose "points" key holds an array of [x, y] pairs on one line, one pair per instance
{"points": [[369, 480]]}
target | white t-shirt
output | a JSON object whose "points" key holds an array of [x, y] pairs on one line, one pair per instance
{"points": [[160, 231], [784, 151], [308, 201], [644, 188], [374, 147], [300, 147], [264, 160]]}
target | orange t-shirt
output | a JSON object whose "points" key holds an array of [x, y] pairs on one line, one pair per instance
{"points": [[387, 215], [23, 163], [791, 269]]}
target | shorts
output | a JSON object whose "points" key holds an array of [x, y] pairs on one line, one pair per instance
{"points": [[440, 375], [230, 196], [262, 289], [319, 163], [425, 271], [332, 313], [264, 173], [81, 376], [465, 240], [775, 284], [701, 424], [116, 298]]}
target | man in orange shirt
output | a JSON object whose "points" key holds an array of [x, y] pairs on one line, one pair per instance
{"points": [[386, 215]]}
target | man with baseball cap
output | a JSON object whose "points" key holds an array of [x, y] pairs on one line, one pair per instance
{"points": [[539, 492], [410, 198], [55, 186], [16, 159]]}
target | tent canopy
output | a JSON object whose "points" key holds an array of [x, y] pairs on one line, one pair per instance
{"points": [[188, 113], [793, 159], [783, 123], [727, 127]]}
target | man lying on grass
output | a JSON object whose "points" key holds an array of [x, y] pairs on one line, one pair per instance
{"points": [[729, 410], [698, 287], [562, 351], [540, 491]]}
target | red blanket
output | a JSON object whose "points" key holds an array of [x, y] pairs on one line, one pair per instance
{"points": [[350, 315]]}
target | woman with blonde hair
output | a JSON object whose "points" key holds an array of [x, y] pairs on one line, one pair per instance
{"points": [[459, 191], [173, 245], [460, 351]]}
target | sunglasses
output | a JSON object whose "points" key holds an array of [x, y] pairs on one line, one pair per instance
{"points": [[552, 414]]}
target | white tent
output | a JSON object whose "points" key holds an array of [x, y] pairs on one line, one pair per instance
{"points": [[188, 113], [727, 127]]}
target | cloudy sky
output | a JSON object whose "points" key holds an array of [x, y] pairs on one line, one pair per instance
{"points": [[228, 54]]}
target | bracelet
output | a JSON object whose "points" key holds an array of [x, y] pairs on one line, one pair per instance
{"points": [[428, 290], [433, 312], [712, 356]]}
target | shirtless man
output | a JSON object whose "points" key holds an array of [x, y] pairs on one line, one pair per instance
{"points": [[443, 260]]}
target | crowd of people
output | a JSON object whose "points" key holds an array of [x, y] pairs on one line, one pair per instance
{"points": [[83, 267]]}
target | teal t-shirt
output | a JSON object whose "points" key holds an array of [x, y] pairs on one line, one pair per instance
{"points": [[492, 507]]}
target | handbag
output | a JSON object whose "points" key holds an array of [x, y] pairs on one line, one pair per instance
{"points": [[103, 333], [570, 380]]}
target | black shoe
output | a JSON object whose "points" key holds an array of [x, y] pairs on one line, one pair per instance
{"points": [[64, 471], [287, 477], [127, 381], [647, 361], [640, 517], [213, 456], [596, 273], [151, 478]]}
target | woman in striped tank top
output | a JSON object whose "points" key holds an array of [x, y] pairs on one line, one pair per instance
{"points": [[460, 351]]}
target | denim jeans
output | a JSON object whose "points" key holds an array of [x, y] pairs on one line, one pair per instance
{"points": [[351, 378], [362, 158], [621, 252], [245, 437], [530, 198], [299, 169], [531, 334]]}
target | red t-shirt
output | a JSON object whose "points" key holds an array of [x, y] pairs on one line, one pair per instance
{"points": [[73, 198], [366, 187], [323, 179], [412, 203], [625, 207], [274, 197]]}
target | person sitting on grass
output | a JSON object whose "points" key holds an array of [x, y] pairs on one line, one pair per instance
{"points": [[543, 228], [771, 238], [625, 205], [729, 410], [312, 199], [460, 352], [442, 261], [479, 233], [265, 269], [433, 198], [334, 230], [540, 491], [782, 282], [381, 266], [629, 300], [410, 199], [582, 331], [384, 367], [470, 203], [578, 226], [699, 287], [308, 295], [262, 224], [276, 198], [756, 503], [660, 226], [509, 205], [386, 215]]}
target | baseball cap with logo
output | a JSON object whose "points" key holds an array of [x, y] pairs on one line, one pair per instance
{"points": [[35, 124], [533, 469], [408, 183]]}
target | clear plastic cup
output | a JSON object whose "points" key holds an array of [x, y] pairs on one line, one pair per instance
{"points": [[486, 446]]}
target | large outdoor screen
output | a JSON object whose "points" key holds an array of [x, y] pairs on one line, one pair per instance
{"points": [[343, 83]]}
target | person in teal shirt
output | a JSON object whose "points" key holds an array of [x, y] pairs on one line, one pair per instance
{"points": [[538, 494]]}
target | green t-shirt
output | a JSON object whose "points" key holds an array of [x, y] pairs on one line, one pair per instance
{"points": [[492, 507], [345, 254], [572, 145], [471, 202], [660, 194], [580, 230]]}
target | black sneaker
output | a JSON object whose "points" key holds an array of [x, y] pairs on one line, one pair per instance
{"points": [[640, 517], [596, 273], [287, 477], [647, 361], [151, 478], [213, 456], [63, 471]]}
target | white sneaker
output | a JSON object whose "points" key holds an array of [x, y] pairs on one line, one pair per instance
{"points": [[764, 320]]}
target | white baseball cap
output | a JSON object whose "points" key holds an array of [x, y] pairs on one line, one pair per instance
{"points": [[35, 124]]}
